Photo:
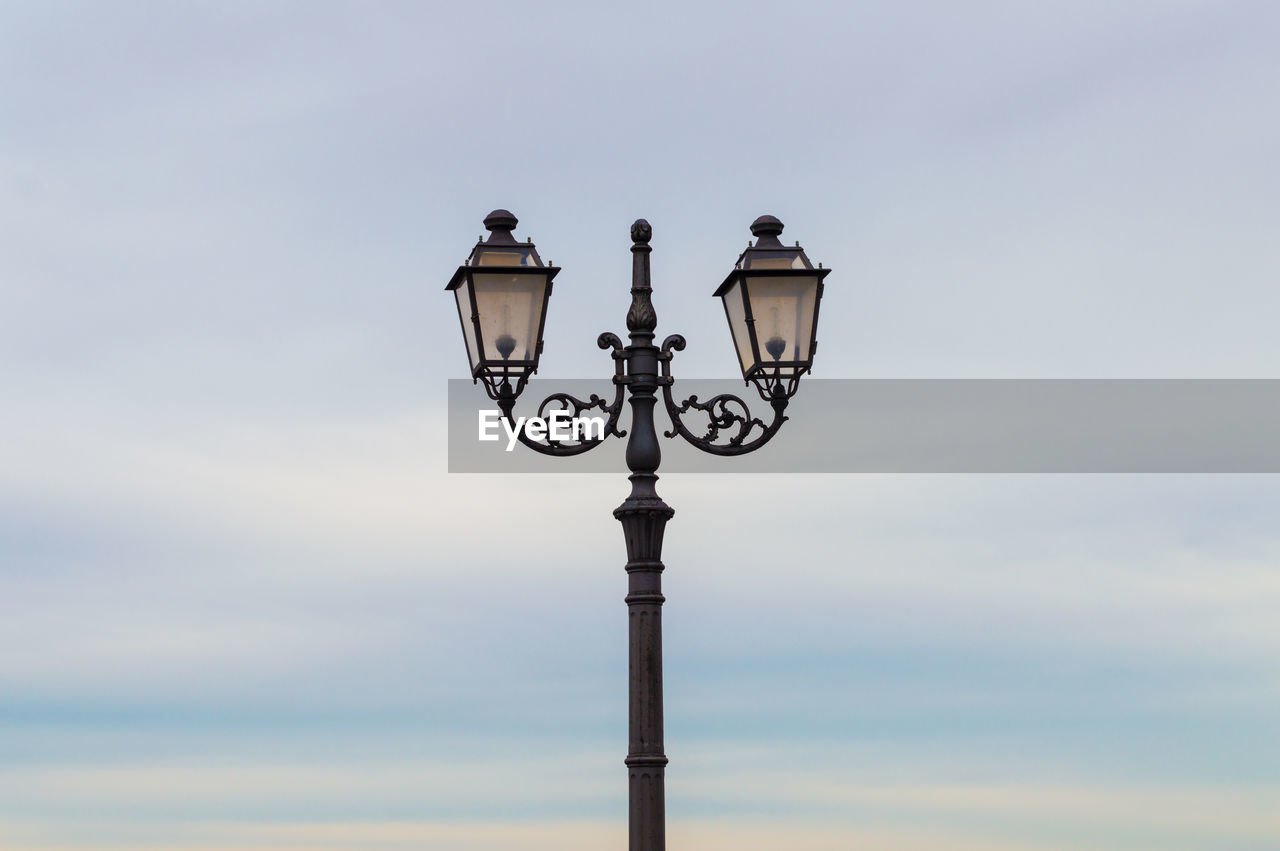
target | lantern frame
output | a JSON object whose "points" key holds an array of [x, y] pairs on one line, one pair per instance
{"points": [[498, 373], [769, 375]]}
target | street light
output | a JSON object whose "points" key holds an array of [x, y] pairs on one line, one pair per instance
{"points": [[502, 293], [771, 300]]}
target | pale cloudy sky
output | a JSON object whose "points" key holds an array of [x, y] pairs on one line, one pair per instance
{"points": [[242, 605]]}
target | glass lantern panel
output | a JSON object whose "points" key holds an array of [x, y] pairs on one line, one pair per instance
{"points": [[510, 308], [783, 310], [506, 255], [737, 313], [789, 259], [463, 294]]}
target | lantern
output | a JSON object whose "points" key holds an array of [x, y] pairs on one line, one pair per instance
{"points": [[502, 293], [771, 300]]}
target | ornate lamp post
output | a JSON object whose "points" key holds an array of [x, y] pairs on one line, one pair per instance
{"points": [[771, 300]]}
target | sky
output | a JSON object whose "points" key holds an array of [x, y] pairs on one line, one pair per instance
{"points": [[244, 606]]}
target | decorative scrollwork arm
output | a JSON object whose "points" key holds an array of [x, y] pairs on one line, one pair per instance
{"points": [[727, 414], [506, 400]]}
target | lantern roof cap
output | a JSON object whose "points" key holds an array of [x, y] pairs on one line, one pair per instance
{"points": [[502, 248], [768, 251]]}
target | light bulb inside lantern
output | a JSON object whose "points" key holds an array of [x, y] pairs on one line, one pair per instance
{"points": [[505, 343]]}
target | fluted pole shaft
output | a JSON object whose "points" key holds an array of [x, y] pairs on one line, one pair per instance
{"points": [[644, 518]]}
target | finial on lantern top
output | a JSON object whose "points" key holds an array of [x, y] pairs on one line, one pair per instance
{"points": [[501, 220], [766, 230], [766, 226], [500, 224], [641, 232]]}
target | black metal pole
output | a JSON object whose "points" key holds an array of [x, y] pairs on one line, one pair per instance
{"points": [[644, 516]]}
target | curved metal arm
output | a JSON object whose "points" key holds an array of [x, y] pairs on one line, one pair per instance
{"points": [[506, 400], [725, 412]]}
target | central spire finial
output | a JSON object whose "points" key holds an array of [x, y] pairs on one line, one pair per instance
{"points": [[641, 232]]}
